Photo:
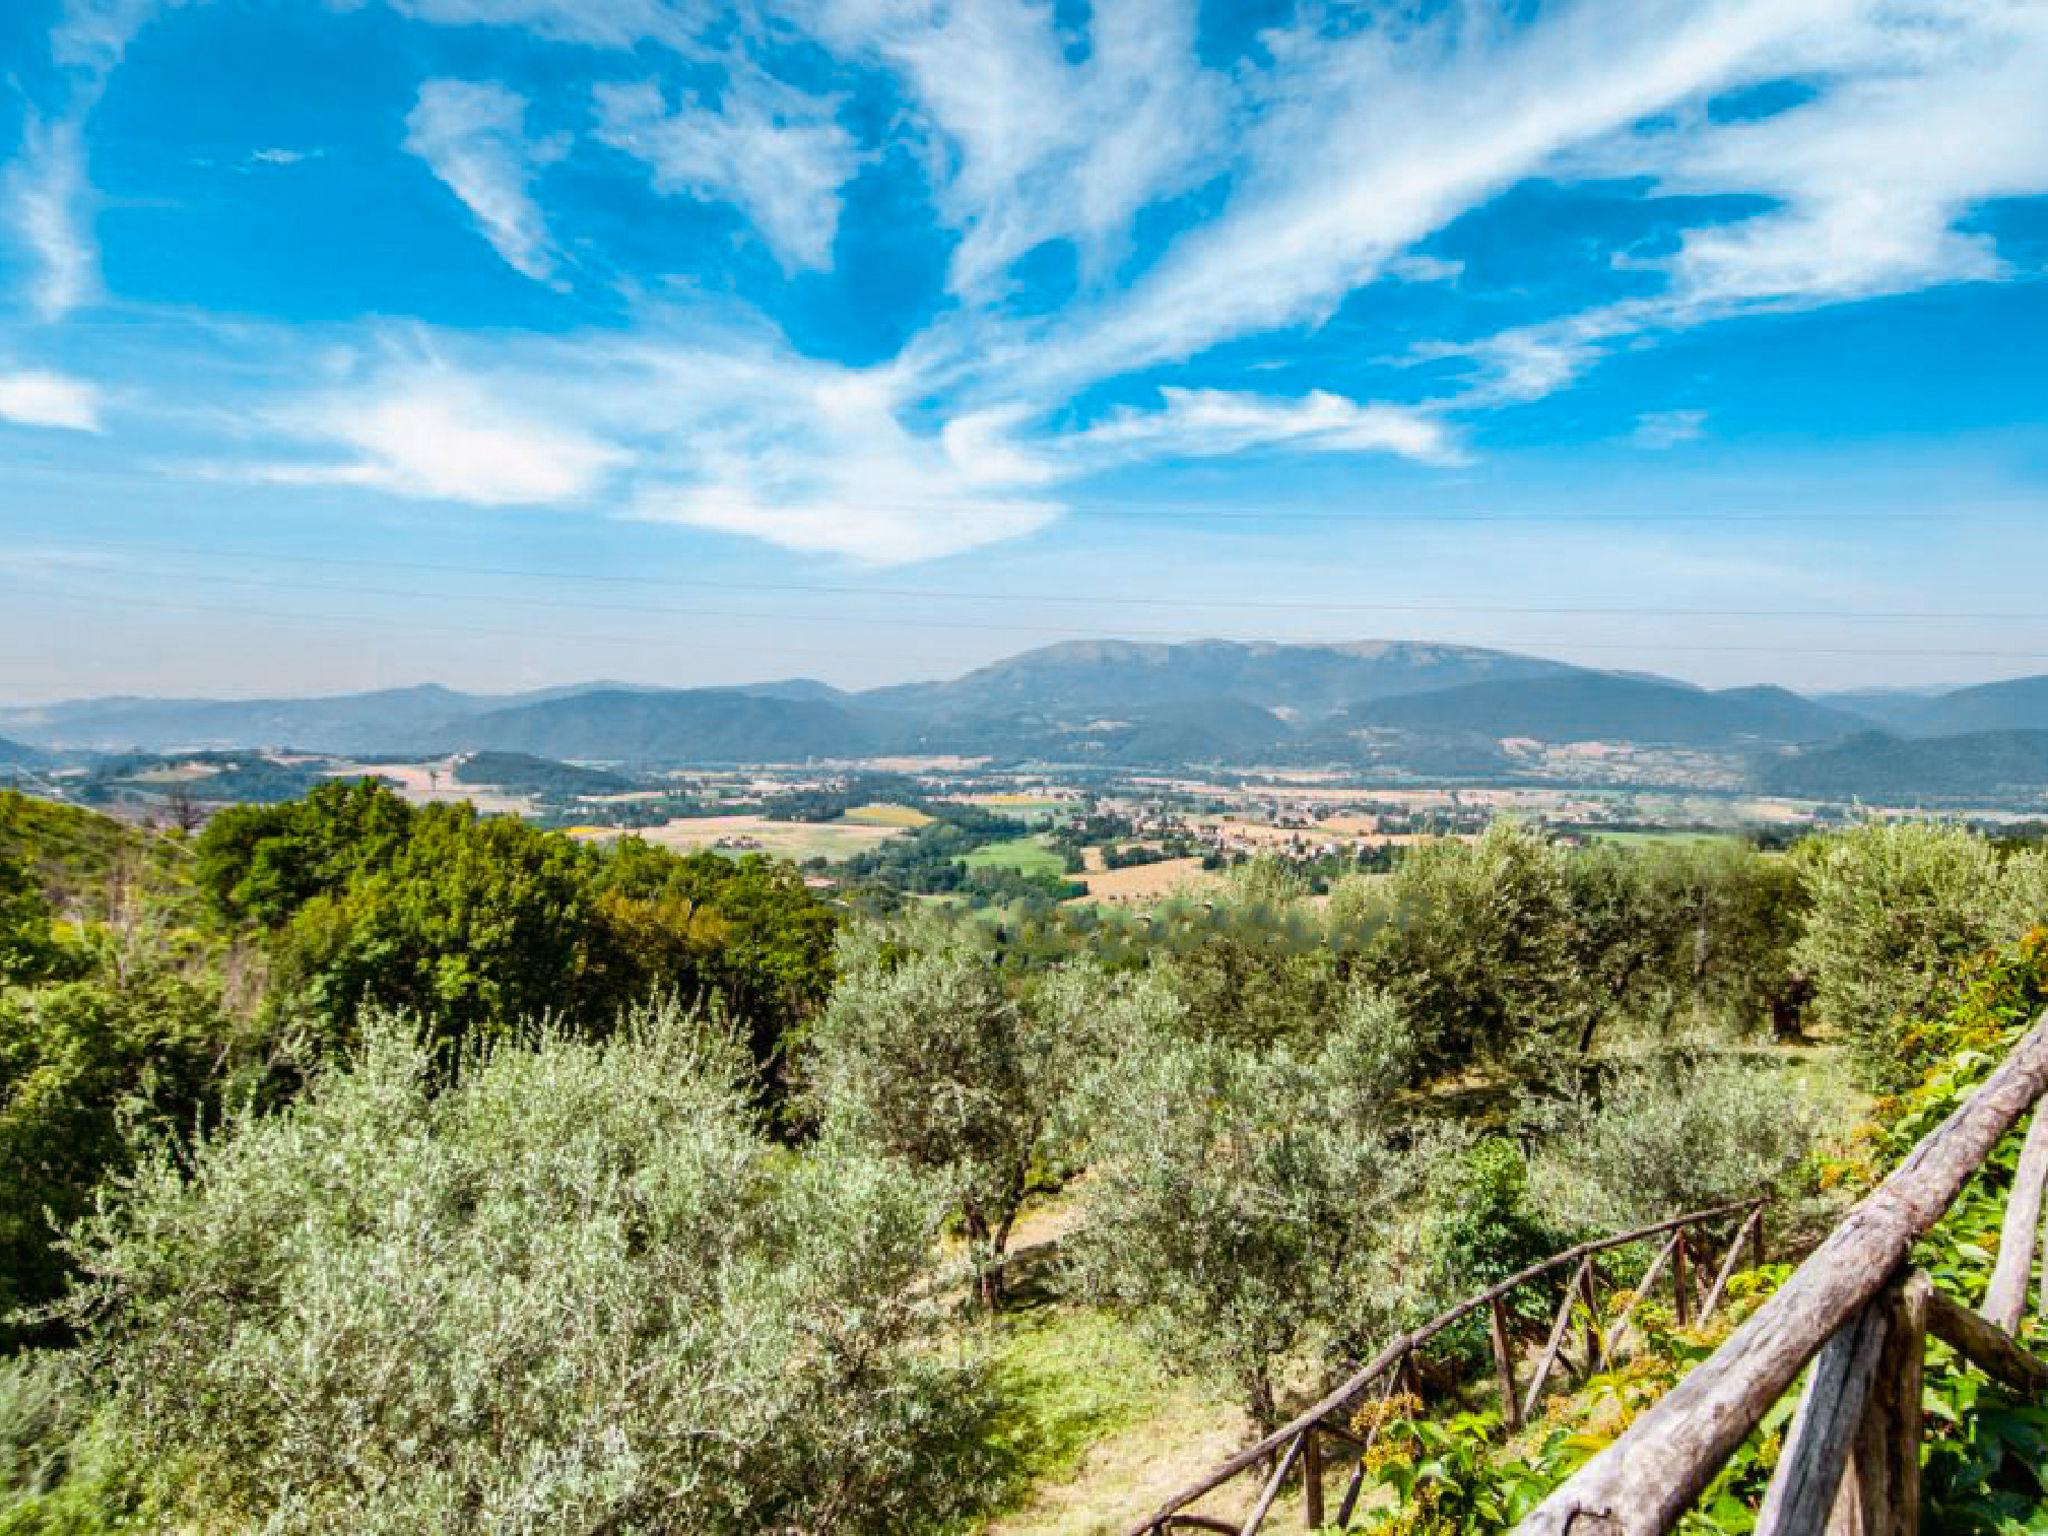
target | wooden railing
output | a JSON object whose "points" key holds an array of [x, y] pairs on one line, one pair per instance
{"points": [[1681, 1256], [1851, 1462]]}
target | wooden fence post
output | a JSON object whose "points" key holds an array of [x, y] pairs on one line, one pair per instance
{"points": [[1312, 1481], [1804, 1493], [1596, 1350], [2005, 1298], [1886, 1475], [1681, 1282], [1504, 1364]]}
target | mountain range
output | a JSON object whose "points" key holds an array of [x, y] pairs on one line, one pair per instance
{"points": [[1393, 705]]}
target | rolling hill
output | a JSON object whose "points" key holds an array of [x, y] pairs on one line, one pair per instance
{"points": [[1393, 706], [1600, 706], [1121, 675], [2017, 704], [701, 725], [1977, 767]]}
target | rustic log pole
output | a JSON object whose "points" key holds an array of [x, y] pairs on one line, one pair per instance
{"points": [[1727, 1269], [1885, 1460], [1550, 1350], [1311, 1480], [1642, 1483], [1643, 1287], [1347, 1391], [1504, 1364], [1802, 1497], [2005, 1298], [1271, 1491], [1596, 1349], [1681, 1287], [1756, 1240], [1991, 1349]]}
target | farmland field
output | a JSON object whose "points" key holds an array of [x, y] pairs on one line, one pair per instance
{"points": [[1026, 855], [797, 840], [882, 814], [1144, 883]]}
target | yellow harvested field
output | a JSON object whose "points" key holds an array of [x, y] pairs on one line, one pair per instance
{"points": [[1143, 884], [798, 840], [882, 814]]}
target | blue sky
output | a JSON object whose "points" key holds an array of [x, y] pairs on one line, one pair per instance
{"points": [[511, 342]]}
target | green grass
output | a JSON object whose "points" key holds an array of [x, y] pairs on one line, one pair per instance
{"points": [[1068, 1378], [1028, 855]]}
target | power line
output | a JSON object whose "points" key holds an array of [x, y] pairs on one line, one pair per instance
{"points": [[1512, 610], [531, 633]]}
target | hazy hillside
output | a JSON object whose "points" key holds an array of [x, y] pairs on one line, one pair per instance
{"points": [[345, 723], [705, 725], [1125, 675], [1980, 767], [2018, 704], [15, 754], [1594, 706], [1390, 705]]}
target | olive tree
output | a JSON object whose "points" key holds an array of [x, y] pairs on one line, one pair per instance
{"points": [[1252, 1210], [1673, 1134], [1899, 911], [934, 1055], [1475, 941], [574, 1290]]}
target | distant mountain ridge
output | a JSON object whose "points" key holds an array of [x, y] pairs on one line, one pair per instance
{"points": [[1124, 674], [1393, 705]]}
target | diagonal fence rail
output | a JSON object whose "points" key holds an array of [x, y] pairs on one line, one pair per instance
{"points": [[1681, 1260], [1861, 1317]]}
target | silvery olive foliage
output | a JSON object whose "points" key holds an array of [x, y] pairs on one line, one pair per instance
{"points": [[1675, 1133], [1899, 913], [575, 1290], [1253, 1211], [933, 1055]]}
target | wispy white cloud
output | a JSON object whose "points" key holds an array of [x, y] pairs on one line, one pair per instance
{"points": [[38, 398], [1204, 423], [438, 434], [598, 23], [773, 152], [472, 134], [1668, 429], [1364, 145], [1928, 111], [1033, 143], [48, 193]]}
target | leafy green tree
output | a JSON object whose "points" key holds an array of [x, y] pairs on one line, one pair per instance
{"points": [[1678, 932], [28, 948], [264, 863], [1255, 1211], [475, 925], [85, 1066], [1476, 942], [1674, 1134], [576, 1290], [932, 1055], [1900, 911]]}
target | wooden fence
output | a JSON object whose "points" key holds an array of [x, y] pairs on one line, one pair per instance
{"points": [[1851, 1462], [1681, 1259]]}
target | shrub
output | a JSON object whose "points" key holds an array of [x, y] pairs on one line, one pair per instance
{"points": [[931, 1054], [1252, 1210], [1900, 912], [575, 1290], [1673, 1135]]}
